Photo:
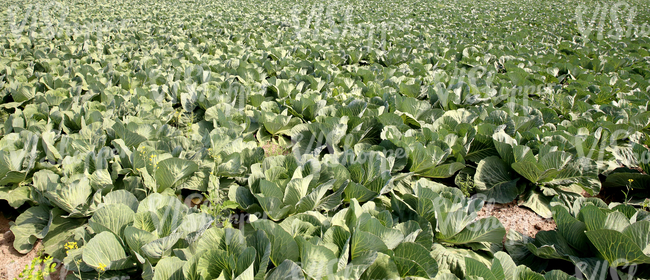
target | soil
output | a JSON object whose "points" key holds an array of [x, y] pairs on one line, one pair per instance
{"points": [[272, 149], [12, 263], [514, 217]]}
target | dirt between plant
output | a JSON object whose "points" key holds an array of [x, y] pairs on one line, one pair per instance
{"points": [[517, 218], [12, 263]]}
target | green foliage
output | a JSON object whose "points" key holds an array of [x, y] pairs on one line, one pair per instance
{"points": [[39, 269], [465, 182], [218, 207], [336, 128], [596, 234]]}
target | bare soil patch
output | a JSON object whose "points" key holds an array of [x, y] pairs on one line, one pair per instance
{"points": [[514, 217], [12, 263]]}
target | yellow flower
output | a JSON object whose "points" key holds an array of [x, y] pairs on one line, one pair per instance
{"points": [[70, 245], [630, 180], [102, 267]]}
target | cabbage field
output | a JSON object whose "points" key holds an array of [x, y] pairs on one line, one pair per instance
{"points": [[351, 139]]}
